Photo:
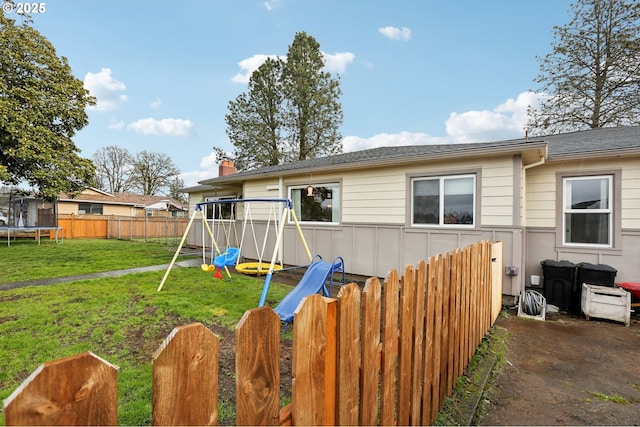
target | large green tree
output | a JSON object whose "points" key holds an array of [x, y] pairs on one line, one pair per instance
{"points": [[592, 76], [42, 106], [290, 112]]}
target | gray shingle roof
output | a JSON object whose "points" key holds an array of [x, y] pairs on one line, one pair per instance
{"points": [[576, 144]]}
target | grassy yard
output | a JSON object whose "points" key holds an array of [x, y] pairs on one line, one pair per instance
{"points": [[122, 320], [26, 260]]}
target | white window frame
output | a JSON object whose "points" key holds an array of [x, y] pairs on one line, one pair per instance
{"points": [[337, 198], [567, 210], [214, 206], [441, 180]]}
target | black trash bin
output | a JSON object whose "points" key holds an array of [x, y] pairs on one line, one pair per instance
{"points": [[559, 285], [596, 274]]}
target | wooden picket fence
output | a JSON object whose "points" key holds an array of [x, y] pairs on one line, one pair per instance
{"points": [[386, 354], [121, 227]]}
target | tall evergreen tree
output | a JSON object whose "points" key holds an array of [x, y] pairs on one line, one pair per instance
{"points": [[314, 113], [592, 76], [255, 121], [290, 112]]}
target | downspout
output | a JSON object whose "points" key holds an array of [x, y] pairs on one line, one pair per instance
{"points": [[525, 168], [281, 196]]}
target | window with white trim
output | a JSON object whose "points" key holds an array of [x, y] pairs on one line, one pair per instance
{"points": [[444, 201], [588, 210], [220, 210], [316, 202]]}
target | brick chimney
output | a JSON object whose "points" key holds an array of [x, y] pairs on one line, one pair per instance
{"points": [[226, 168]]}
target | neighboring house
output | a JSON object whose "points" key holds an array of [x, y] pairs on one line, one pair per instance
{"points": [[97, 202], [573, 196]]}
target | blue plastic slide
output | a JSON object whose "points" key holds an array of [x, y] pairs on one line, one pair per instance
{"points": [[313, 281]]}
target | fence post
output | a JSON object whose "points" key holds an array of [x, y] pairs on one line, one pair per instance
{"points": [[75, 390], [258, 368], [185, 378]]}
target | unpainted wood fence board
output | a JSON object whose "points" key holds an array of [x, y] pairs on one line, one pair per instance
{"points": [[258, 368], [417, 368], [74, 390], [371, 351], [313, 362], [406, 345], [390, 349], [185, 377], [349, 346]]}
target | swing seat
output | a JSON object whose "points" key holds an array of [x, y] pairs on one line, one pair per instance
{"points": [[256, 268], [227, 258], [207, 268]]}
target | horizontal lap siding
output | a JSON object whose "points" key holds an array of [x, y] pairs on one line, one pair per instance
{"points": [[541, 190], [374, 196], [541, 197], [497, 192], [631, 195]]}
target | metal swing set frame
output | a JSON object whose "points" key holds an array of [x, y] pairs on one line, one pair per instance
{"points": [[287, 210]]}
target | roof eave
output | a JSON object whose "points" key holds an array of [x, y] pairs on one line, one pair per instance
{"points": [[480, 152], [596, 154]]}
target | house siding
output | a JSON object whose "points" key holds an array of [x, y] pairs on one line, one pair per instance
{"points": [[374, 234], [542, 211]]}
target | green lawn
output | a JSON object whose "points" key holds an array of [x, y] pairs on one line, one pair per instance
{"points": [[122, 320], [26, 260]]}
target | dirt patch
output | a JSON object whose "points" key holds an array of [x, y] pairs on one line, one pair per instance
{"points": [[567, 371]]}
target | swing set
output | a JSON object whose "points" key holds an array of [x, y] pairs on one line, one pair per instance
{"points": [[219, 259]]}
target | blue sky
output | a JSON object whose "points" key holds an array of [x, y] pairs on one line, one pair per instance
{"points": [[411, 71]]}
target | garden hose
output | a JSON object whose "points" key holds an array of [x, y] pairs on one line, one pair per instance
{"points": [[532, 303]]}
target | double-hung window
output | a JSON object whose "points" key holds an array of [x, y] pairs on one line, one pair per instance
{"points": [[587, 210], [316, 202], [444, 201]]}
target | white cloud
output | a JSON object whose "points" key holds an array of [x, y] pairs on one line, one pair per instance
{"points": [[248, 66], [271, 4], [356, 143], [115, 124], [192, 178], [507, 120], [155, 104], [208, 169], [393, 33], [334, 62], [209, 162], [106, 89], [337, 62], [168, 127]]}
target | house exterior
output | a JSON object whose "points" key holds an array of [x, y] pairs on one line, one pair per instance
{"points": [[573, 196], [92, 201]]}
